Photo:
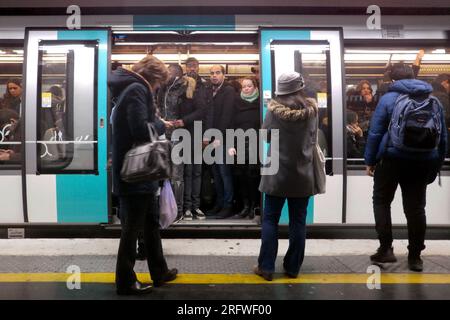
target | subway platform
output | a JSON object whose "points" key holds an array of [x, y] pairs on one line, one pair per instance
{"points": [[219, 269]]}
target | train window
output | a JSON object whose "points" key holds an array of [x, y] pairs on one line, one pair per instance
{"points": [[312, 60], [66, 117], [367, 81], [11, 59]]}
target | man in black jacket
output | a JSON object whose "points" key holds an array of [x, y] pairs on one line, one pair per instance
{"points": [[220, 116]]}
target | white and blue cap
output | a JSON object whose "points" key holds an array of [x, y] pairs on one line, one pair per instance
{"points": [[289, 82]]}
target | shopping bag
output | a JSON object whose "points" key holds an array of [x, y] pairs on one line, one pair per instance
{"points": [[167, 206]]}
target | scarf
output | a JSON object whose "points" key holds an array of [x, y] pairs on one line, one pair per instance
{"points": [[252, 97]]}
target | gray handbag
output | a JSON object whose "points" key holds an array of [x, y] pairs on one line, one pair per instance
{"points": [[150, 161], [319, 168]]}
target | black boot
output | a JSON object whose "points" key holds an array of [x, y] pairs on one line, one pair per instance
{"points": [[383, 255], [225, 213], [244, 212], [415, 263]]}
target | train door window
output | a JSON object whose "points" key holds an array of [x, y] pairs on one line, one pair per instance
{"points": [[66, 117], [312, 60], [11, 59], [367, 81]]}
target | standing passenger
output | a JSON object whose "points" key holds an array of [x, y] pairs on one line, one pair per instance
{"points": [[295, 116], [247, 117], [392, 166], [220, 116], [192, 109], [134, 90]]}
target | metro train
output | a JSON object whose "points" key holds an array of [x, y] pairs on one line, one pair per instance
{"points": [[63, 179]]}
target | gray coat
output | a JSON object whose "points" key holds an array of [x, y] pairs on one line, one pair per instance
{"points": [[297, 137]]}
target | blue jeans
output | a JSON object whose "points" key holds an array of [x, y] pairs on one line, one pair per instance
{"points": [[223, 182], [269, 234]]}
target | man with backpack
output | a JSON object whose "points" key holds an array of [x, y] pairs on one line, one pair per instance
{"points": [[406, 146]]}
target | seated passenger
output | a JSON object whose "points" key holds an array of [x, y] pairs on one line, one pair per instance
{"points": [[53, 118], [12, 97], [9, 132], [364, 104], [355, 137]]}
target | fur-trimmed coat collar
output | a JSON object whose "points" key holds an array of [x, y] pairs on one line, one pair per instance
{"points": [[291, 114]]}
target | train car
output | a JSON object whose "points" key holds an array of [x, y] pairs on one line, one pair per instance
{"points": [[60, 177]]}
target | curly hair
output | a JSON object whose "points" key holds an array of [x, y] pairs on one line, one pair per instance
{"points": [[360, 86]]}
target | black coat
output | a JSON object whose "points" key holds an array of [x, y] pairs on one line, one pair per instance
{"points": [[131, 114], [247, 114], [220, 113]]}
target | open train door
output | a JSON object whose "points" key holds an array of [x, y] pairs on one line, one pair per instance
{"points": [[65, 117], [317, 55]]}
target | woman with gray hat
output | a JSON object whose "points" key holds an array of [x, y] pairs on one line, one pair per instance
{"points": [[295, 116]]}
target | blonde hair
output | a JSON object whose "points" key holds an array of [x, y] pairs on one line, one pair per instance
{"points": [[151, 69]]}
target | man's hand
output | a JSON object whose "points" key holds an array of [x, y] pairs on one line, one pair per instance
{"points": [[370, 170], [179, 123], [168, 124], [232, 151]]}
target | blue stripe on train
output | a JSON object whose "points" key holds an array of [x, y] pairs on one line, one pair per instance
{"points": [[83, 198], [184, 22], [266, 38]]}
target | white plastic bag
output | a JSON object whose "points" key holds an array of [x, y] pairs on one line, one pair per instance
{"points": [[167, 206]]}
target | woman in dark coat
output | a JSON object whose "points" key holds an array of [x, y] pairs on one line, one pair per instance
{"points": [[247, 116], [133, 92], [295, 118], [12, 99]]}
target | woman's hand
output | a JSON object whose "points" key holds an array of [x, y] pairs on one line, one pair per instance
{"points": [[167, 124], [232, 151]]}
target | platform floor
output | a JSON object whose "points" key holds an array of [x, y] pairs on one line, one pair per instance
{"points": [[224, 273]]}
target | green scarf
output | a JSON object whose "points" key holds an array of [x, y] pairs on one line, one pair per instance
{"points": [[252, 97]]}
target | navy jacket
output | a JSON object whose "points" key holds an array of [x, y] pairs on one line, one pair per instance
{"points": [[134, 109], [378, 143]]}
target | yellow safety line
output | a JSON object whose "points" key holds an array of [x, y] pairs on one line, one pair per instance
{"points": [[326, 278]]}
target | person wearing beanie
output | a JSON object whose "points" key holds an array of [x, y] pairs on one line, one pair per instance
{"points": [[295, 117]]}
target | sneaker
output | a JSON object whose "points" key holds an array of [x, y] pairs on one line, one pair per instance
{"points": [[178, 218], [415, 264], [188, 215], [384, 255], [199, 214]]}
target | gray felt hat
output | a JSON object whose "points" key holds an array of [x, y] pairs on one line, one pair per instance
{"points": [[289, 82]]}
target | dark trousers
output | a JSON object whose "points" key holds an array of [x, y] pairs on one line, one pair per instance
{"points": [[192, 186], [137, 211], [223, 183], [269, 233], [412, 178], [248, 178]]}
